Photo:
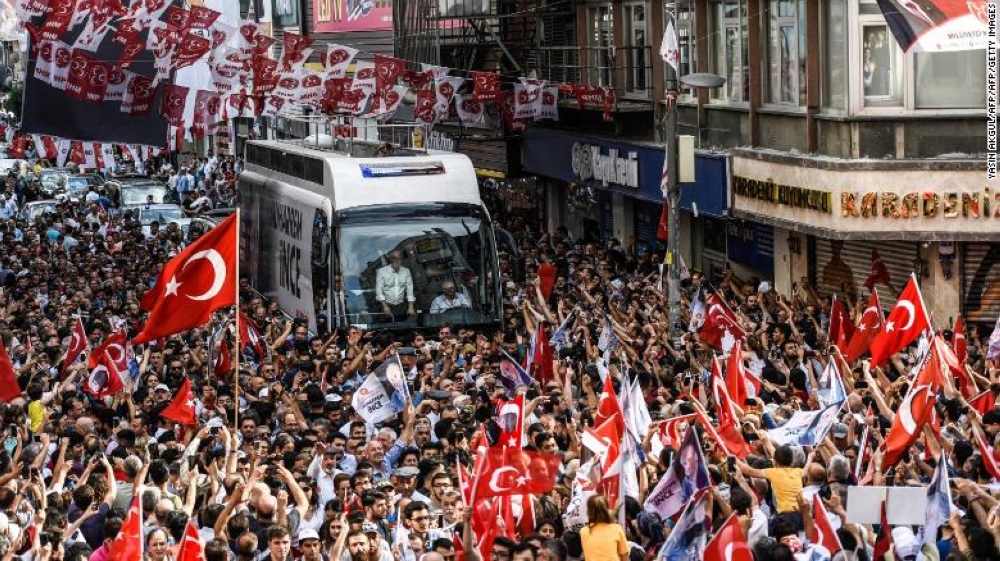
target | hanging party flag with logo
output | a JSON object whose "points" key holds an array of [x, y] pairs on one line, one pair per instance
{"points": [[937, 25]]}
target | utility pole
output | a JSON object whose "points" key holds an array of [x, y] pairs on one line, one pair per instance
{"points": [[673, 196]]}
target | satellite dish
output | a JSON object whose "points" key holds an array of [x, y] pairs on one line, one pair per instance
{"points": [[703, 80]]}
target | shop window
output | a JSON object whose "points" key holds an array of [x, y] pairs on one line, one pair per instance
{"points": [[938, 76], [786, 52], [729, 49], [636, 49], [599, 60], [835, 54], [881, 67], [682, 13]]}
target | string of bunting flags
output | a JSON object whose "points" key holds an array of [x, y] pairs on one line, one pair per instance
{"points": [[246, 82]]}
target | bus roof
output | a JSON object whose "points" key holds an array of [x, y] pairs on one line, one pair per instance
{"points": [[352, 182]]}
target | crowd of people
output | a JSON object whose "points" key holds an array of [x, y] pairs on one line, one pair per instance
{"points": [[283, 468]]}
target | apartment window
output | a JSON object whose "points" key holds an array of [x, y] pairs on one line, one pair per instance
{"points": [[682, 12], [881, 67], [786, 52], [729, 49], [835, 54], [601, 43], [636, 49], [950, 80]]}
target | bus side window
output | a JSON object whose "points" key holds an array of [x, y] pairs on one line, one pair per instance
{"points": [[320, 260]]}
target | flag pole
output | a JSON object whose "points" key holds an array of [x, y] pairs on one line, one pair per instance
{"points": [[236, 362]]}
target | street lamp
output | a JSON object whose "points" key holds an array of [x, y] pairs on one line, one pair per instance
{"points": [[673, 194]]}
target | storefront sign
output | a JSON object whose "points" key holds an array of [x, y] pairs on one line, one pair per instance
{"points": [[286, 13], [798, 197], [336, 16], [590, 162], [867, 202]]}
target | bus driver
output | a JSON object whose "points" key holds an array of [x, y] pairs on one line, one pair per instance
{"points": [[394, 288], [450, 299]]}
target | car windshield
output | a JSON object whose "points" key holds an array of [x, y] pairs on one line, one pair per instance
{"points": [[162, 215], [77, 184], [136, 194], [438, 253], [33, 211]]}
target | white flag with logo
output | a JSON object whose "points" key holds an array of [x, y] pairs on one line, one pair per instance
{"points": [[669, 49]]}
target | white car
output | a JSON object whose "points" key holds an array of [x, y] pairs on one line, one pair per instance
{"points": [[7, 164]]}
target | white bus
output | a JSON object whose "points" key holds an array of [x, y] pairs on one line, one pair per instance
{"points": [[321, 215]]}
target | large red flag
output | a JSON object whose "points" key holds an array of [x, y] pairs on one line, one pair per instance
{"points": [[906, 321], [868, 328], [9, 390], [824, 534], [719, 320], [729, 543], [915, 411], [222, 362], [546, 279], [608, 406], [191, 547], [198, 281], [841, 328], [181, 408], [128, 545], [510, 471], [736, 379], [728, 430], [77, 344], [249, 335], [662, 229], [879, 272], [958, 341]]}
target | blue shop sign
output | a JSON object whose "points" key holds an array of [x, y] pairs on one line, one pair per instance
{"points": [[623, 167], [751, 244]]}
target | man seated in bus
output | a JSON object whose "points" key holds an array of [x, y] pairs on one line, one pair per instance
{"points": [[450, 299], [394, 288]]}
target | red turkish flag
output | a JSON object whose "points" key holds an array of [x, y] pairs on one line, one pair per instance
{"points": [[181, 408], [719, 319], [608, 406], [958, 341], [915, 411], [824, 534], [728, 429], [879, 272], [77, 344], [105, 379], [113, 349], [868, 328], [546, 279], [729, 543], [128, 545], [486, 87], [841, 328], [736, 378], [510, 419], [172, 104], [9, 389], [986, 451], [250, 335], [906, 321], [510, 471], [984, 402], [191, 547], [198, 281]]}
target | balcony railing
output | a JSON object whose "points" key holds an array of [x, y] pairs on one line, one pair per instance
{"points": [[626, 69]]}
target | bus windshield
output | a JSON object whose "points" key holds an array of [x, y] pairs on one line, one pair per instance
{"points": [[418, 272]]}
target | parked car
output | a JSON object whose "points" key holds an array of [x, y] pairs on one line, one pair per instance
{"points": [[76, 186], [34, 209], [129, 193], [53, 180]]}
